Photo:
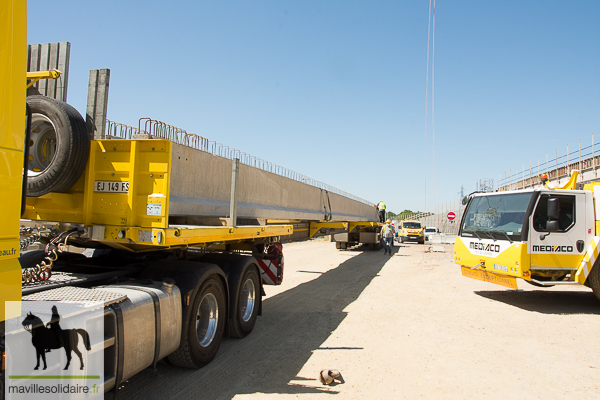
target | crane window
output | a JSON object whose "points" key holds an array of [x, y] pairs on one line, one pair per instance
{"points": [[496, 216], [566, 213]]}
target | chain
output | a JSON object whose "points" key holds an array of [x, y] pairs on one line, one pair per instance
{"points": [[32, 237], [43, 271]]}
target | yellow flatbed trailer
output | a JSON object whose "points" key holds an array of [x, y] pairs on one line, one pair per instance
{"points": [[121, 203], [160, 232]]}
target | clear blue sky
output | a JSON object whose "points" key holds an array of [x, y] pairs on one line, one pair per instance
{"points": [[336, 89]]}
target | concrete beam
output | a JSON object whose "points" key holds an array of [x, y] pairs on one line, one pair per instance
{"points": [[46, 57], [235, 170], [200, 185], [97, 103]]}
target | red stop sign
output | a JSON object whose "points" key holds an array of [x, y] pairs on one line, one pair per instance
{"points": [[451, 216]]}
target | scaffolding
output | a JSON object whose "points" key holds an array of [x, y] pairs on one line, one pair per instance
{"points": [[559, 169]]}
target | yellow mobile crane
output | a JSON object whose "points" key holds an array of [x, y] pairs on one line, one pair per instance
{"points": [[129, 217], [546, 236]]}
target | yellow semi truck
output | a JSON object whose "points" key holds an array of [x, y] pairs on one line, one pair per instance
{"points": [[546, 236], [142, 219]]}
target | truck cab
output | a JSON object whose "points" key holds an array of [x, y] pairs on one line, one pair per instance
{"points": [[544, 236]]}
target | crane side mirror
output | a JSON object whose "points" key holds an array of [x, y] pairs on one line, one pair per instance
{"points": [[553, 209], [465, 200], [552, 226]]}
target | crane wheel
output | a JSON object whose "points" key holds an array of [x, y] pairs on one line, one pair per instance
{"points": [[59, 146], [594, 279]]}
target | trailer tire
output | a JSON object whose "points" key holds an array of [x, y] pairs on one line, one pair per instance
{"points": [[594, 280], [58, 122], [205, 329], [246, 308]]}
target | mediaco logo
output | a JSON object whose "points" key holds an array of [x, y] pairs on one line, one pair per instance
{"points": [[553, 249], [495, 248], [55, 350]]}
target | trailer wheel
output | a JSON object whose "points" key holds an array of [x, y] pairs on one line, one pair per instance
{"points": [[594, 280], [59, 146], [205, 328], [246, 310]]}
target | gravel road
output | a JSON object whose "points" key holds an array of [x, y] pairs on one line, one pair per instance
{"points": [[401, 326]]}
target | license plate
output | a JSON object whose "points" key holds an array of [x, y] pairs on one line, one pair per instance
{"points": [[111, 187], [507, 281]]}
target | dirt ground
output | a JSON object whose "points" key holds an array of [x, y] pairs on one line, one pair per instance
{"points": [[401, 326]]}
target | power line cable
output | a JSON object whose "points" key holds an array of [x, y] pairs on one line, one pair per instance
{"points": [[426, 102], [433, 102]]}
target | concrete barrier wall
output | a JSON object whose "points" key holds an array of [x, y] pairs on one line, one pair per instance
{"points": [[442, 239], [201, 186]]}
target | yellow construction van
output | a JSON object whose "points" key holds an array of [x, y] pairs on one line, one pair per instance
{"points": [[411, 230]]}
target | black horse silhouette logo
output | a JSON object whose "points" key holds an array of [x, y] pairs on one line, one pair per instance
{"points": [[52, 336]]}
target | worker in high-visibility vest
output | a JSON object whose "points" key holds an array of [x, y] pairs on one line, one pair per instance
{"points": [[387, 233], [381, 208], [543, 179]]}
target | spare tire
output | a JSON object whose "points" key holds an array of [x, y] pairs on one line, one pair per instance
{"points": [[59, 146]]}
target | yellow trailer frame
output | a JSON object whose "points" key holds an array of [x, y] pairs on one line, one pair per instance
{"points": [[316, 228], [122, 200], [328, 227]]}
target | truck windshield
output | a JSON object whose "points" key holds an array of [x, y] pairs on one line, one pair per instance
{"points": [[411, 225], [496, 216]]}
